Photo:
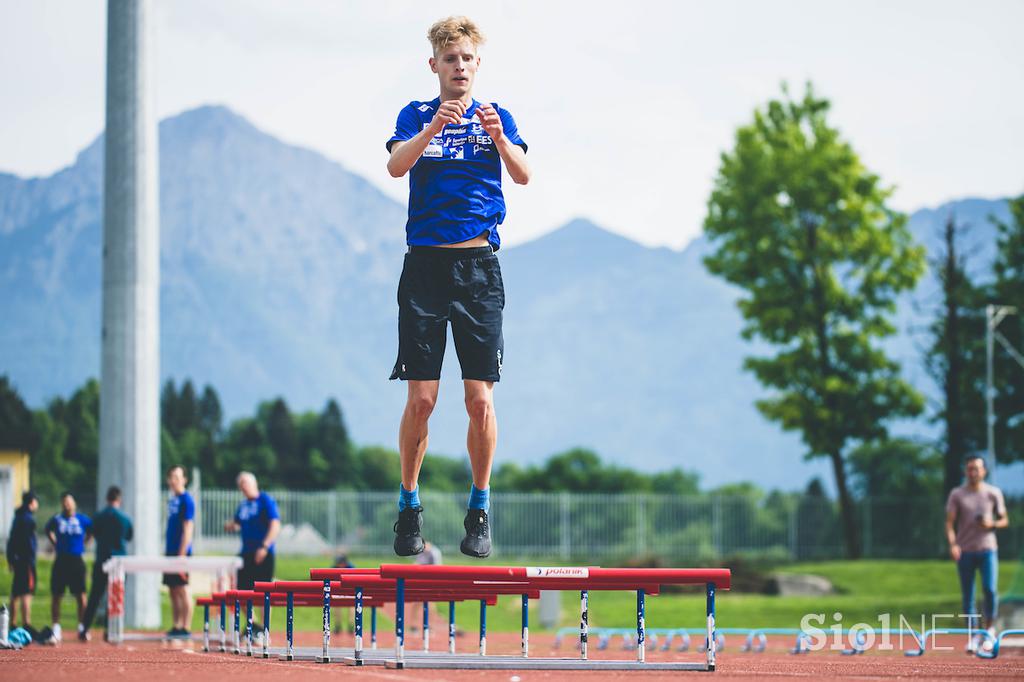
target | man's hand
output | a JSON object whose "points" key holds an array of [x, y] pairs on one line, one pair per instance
{"points": [[491, 122], [954, 552], [450, 112], [986, 523], [230, 526], [260, 555]]}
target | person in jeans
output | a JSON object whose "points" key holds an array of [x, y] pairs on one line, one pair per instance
{"points": [[112, 530], [973, 511]]}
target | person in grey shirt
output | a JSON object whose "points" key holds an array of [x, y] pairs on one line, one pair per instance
{"points": [[973, 511]]}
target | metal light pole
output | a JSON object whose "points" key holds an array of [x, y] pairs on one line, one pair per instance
{"points": [[994, 314], [129, 384]]}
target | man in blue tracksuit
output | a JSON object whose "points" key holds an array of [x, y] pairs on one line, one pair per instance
{"points": [[453, 148], [21, 557], [68, 531]]}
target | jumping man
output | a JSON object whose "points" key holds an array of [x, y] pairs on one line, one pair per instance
{"points": [[453, 148]]}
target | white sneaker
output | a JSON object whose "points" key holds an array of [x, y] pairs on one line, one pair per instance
{"points": [[972, 643], [55, 638], [988, 643]]}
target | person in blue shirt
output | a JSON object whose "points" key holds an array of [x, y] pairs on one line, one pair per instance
{"points": [[453, 147], [112, 530], [21, 557], [258, 522], [68, 531], [181, 514]]}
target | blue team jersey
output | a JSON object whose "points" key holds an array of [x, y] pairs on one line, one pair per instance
{"points": [[180, 508], [254, 517], [70, 532], [455, 186]]}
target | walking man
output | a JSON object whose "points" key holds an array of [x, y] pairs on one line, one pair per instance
{"points": [[21, 558], [181, 514], [453, 148], [975, 509], [68, 531], [112, 530]]}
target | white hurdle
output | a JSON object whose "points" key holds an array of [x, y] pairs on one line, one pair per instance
{"points": [[224, 569]]}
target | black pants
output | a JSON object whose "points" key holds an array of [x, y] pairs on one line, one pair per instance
{"points": [[97, 592], [252, 572]]}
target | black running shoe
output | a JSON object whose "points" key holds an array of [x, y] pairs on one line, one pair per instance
{"points": [[478, 534], [407, 532]]}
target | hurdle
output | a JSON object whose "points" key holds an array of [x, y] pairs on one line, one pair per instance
{"points": [[584, 579], [117, 568], [378, 592], [494, 587]]}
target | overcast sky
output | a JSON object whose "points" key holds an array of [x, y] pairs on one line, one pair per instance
{"points": [[626, 107]]}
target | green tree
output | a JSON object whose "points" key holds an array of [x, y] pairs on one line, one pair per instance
{"points": [[802, 227], [899, 479], [1008, 365], [333, 442], [283, 438], [211, 414], [956, 349], [15, 418]]}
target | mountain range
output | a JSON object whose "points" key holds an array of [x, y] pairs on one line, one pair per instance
{"points": [[278, 277]]}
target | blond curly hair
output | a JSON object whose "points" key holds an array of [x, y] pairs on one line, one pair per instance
{"points": [[453, 29]]}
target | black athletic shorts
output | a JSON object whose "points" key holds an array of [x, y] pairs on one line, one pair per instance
{"points": [[252, 572], [175, 579], [68, 574], [24, 581], [441, 285]]}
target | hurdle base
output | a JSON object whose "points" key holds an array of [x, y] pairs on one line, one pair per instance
{"points": [[542, 664], [322, 659]]}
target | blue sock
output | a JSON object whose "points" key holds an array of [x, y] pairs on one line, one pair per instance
{"points": [[480, 499], [408, 498]]}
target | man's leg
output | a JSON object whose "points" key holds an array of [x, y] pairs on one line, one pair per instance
{"points": [[412, 445], [965, 571], [97, 591], [989, 587], [187, 607], [55, 608], [175, 593], [80, 602], [25, 602], [482, 437], [481, 440], [412, 434]]}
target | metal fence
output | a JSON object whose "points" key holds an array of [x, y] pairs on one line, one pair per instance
{"points": [[585, 527]]}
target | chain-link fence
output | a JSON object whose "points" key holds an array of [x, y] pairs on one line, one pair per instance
{"points": [[585, 527]]}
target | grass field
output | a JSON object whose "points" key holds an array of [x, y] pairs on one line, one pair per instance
{"points": [[866, 589]]}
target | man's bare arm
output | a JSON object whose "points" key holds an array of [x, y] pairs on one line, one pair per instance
{"points": [[512, 154], [954, 549], [405, 153], [186, 537], [515, 161]]}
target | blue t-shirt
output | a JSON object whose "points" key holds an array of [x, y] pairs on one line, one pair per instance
{"points": [[180, 508], [70, 532], [254, 517], [455, 186]]}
